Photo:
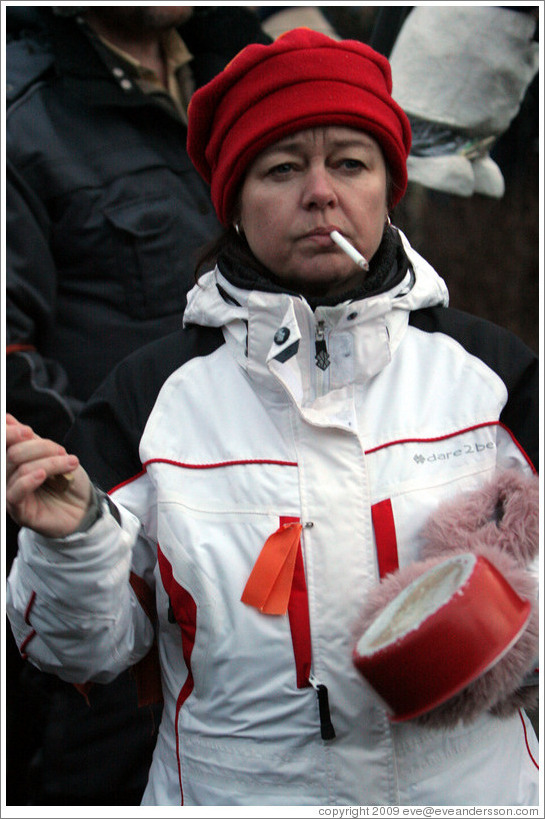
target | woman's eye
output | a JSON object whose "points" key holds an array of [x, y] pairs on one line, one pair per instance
{"points": [[351, 164], [282, 169]]}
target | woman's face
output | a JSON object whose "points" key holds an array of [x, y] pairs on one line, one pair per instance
{"points": [[300, 189]]}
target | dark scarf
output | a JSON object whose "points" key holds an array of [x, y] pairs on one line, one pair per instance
{"points": [[387, 268]]}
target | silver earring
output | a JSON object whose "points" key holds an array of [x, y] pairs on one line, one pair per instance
{"points": [[388, 220], [237, 228]]}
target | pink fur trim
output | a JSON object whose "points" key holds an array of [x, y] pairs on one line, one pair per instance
{"points": [[500, 521], [504, 513]]}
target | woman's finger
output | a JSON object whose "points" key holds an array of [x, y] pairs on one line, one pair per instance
{"points": [[21, 479], [22, 488], [28, 454], [17, 432], [32, 450]]}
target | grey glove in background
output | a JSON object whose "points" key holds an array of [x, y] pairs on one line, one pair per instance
{"points": [[461, 73]]}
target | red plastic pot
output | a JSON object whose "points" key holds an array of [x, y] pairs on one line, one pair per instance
{"points": [[439, 634]]}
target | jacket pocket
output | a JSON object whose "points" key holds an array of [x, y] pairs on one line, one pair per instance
{"points": [[150, 256]]}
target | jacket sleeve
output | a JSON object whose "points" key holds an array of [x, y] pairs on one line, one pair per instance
{"points": [[71, 606], [37, 388], [521, 413]]}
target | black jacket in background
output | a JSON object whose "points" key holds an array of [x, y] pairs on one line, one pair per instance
{"points": [[105, 212]]}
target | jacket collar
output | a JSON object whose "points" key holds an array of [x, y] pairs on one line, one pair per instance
{"points": [[274, 335]]}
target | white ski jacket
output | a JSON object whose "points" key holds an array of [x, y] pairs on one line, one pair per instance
{"points": [[412, 404]]}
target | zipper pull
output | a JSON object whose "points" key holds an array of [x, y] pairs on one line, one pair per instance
{"points": [[322, 356], [327, 730]]}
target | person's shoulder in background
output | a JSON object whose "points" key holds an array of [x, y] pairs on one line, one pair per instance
{"points": [[29, 56]]}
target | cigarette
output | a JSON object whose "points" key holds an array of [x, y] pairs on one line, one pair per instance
{"points": [[60, 483], [345, 245]]}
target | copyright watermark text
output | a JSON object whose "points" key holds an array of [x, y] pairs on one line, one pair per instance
{"points": [[427, 811]]}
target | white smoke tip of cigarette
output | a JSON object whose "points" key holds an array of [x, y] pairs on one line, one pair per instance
{"points": [[351, 251]]}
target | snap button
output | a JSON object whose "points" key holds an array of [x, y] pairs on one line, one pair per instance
{"points": [[118, 72], [351, 316], [126, 85], [281, 335]]}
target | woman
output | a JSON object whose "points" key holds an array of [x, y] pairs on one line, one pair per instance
{"points": [[260, 458]]}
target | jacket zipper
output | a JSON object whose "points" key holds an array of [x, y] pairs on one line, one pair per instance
{"points": [[327, 731], [321, 357]]}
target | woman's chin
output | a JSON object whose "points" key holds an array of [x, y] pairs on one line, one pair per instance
{"points": [[329, 281], [330, 285]]}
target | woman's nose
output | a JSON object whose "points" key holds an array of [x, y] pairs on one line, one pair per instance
{"points": [[318, 190]]}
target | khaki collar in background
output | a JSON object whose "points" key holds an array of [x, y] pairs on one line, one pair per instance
{"points": [[180, 84]]}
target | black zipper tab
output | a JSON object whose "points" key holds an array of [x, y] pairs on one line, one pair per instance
{"points": [[322, 356], [327, 730]]}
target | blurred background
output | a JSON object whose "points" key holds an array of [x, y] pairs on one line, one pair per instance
{"points": [[486, 249]]}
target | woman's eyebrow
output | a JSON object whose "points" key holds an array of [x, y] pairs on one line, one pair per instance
{"points": [[292, 146]]}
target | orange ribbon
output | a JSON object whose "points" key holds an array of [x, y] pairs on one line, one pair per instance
{"points": [[269, 585]]}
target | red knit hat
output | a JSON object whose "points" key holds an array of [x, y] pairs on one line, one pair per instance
{"points": [[303, 79]]}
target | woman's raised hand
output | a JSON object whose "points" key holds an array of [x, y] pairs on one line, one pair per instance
{"points": [[46, 489]]}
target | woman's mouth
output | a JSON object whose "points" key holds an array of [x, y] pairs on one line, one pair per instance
{"points": [[320, 236]]}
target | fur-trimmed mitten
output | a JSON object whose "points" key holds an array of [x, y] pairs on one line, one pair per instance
{"points": [[500, 522]]}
